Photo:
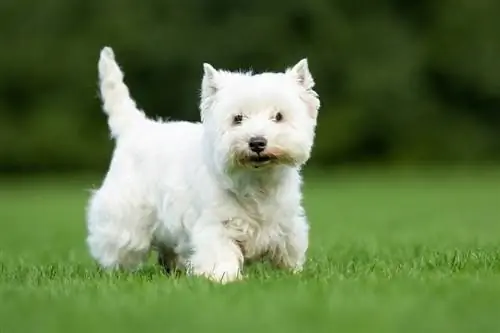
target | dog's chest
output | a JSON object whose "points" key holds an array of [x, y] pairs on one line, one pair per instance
{"points": [[256, 227]]}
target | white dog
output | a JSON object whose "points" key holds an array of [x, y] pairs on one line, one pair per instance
{"points": [[207, 195]]}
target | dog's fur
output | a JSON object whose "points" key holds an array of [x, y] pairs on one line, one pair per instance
{"points": [[195, 191]]}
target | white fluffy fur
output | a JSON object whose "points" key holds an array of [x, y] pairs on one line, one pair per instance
{"points": [[191, 190]]}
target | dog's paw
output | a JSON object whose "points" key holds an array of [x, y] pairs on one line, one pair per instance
{"points": [[225, 275], [222, 275], [220, 272], [297, 269]]}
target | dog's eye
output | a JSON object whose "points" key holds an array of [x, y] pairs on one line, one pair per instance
{"points": [[237, 119], [278, 117]]}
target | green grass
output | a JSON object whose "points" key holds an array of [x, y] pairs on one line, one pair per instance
{"points": [[390, 252]]}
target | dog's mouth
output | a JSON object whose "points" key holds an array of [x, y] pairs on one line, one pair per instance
{"points": [[269, 157], [260, 160]]}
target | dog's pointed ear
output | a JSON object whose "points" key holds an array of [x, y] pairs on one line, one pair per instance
{"points": [[300, 72], [209, 84]]}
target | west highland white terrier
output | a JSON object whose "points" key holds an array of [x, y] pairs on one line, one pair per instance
{"points": [[207, 196]]}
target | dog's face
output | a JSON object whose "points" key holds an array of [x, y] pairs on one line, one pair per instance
{"points": [[259, 121]]}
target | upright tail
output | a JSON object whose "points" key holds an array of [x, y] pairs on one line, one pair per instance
{"points": [[117, 103]]}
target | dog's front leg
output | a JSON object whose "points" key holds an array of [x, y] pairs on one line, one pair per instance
{"points": [[214, 254], [291, 250]]}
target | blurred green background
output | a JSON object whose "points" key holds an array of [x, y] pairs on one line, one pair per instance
{"points": [[400, 82]]}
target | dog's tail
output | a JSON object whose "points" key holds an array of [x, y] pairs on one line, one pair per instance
{"points": [[117, 103]]}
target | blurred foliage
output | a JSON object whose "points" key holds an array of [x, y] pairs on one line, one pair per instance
{"points": [[399, 81]]}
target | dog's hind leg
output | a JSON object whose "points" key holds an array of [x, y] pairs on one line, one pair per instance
{"points": [[167, 259], [120, 230]]}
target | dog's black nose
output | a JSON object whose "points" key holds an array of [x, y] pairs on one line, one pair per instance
{"points": [[257, 144]]}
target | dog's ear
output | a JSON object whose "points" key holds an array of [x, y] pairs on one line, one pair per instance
{"points": [[300, 73], [209, 83]]}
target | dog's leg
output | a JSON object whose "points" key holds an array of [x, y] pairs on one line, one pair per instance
{"points": [[167, 259], [291, 252], [214, 254], [119, 230]]}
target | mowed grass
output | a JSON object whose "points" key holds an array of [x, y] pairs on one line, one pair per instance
{"points": [[389, 252]]}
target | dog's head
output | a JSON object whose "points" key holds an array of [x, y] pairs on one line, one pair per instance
{"points": [[259, 120]]}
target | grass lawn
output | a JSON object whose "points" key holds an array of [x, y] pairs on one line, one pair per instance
{"points": [[390, 252]]}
